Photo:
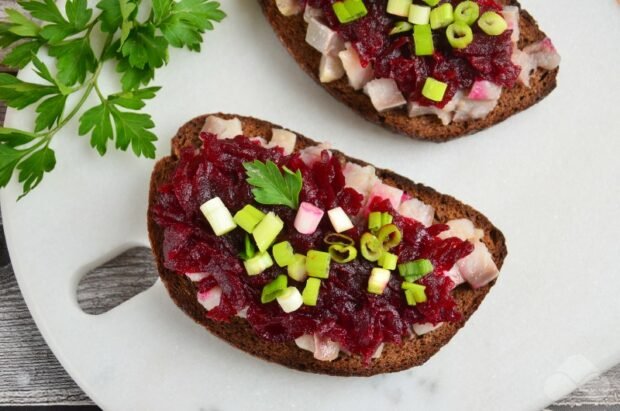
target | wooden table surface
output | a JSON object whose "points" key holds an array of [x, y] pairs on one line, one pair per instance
{"points": [[31, 375]]}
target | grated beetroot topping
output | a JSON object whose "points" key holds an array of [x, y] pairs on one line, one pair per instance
{"points": [[486, 58], [345, 312]]}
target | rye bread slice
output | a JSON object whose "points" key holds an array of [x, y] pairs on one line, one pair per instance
{"points": [[410, 353], [292, 33]]}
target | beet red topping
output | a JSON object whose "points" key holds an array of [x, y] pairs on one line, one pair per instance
{"points": [[345, 311], [486, 58]]}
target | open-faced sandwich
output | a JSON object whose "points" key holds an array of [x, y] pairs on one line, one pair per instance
{"points": [[430, 69], [303, 256]]}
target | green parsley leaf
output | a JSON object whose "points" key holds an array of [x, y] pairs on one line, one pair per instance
{"points": [[78, 13], [133, 100], [22, 25], [22, 54], [161, 10], [112, 12], [187, 20], [75, 60], [19, 94], [45, 10], [133, 77], [6, 37], [50, 112], [15, 138], [98, 120], [271, 186], [133, 128], [144, 48], [9, 157], [31, 170]]}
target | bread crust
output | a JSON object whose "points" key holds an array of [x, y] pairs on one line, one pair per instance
{"points": [[411, 352], [292, 33]]}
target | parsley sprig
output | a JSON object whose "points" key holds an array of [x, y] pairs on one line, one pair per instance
{"points": [[137, 47], [272, 186]]}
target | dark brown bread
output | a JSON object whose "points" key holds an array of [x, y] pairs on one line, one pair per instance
{"points": [[238, 333], [292, 33]]}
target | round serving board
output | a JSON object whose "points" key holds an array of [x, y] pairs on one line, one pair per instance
{"points": [[549, 178]]}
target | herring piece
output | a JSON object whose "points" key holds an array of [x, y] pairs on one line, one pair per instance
{"points": [[523, 60], [361, 179], [378, 351], [283, 138], [325, 349], [358, 76], [305, 342], [312, 154], [322, 38], [330, 68], [512, 15], [289, 7], [478, 268], [417, 210], [467, 109], [393, 194], [222, 128], [484, 90], [455, 275], [462, 228], [444, 114], [210, 299], [197, 277], [312, 13], [384, 94], [421, 329], [544, 54]]}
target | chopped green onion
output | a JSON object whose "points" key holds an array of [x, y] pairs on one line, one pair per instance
{"points": [[423, 40], [419, 14], [432, 3], [336, 238], [310, 294], [388, 261], [290, 299], [339, 219], [267, 230], [370, 247], [459, 35], [374, 221], [416, 291], [283, 253], [218, 216], [342, 253], [379, 278], [317, 264], [389, 236], [386, 218], [410, 297], [399, 7], [414, 270], [249, 250], [248, 218], [492, 23], [272, 290], [349, 10], [434, 89], [467, 12], [258, 264], [297, 268], [442, 16], [401, 27]]}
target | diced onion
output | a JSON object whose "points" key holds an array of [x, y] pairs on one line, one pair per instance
{"points": [[290, 299], [210, 299], [308, 218], [339, 219]]}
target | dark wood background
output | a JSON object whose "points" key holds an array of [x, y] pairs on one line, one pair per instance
{"points": [[31, 375]]}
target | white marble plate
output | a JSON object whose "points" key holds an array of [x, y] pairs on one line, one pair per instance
{"points": [[549, 178]]}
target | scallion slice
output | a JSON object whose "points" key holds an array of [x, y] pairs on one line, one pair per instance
{"points": [[379, 278], [388, 261], [399, 7], [492, 23], [248, 218], [432, 3], [310, 294], [416, 291], [297, 268], [283, 253], [267, 230], [336, 238], [290, 299], [218, 216], [401, 27], [258, 263], [434, 89], [272, 290], [386, 218], [459, 35], [467, 12], [442, 16], [419, 14], [249, 250], [339, 219], [342, 253], [370, 247], [414, 270], [374, 221], [423, 40], [317, 264], [389, 236], [349, 10]]}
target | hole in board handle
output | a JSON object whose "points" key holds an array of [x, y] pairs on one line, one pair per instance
{"points": [[116, 281]]}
